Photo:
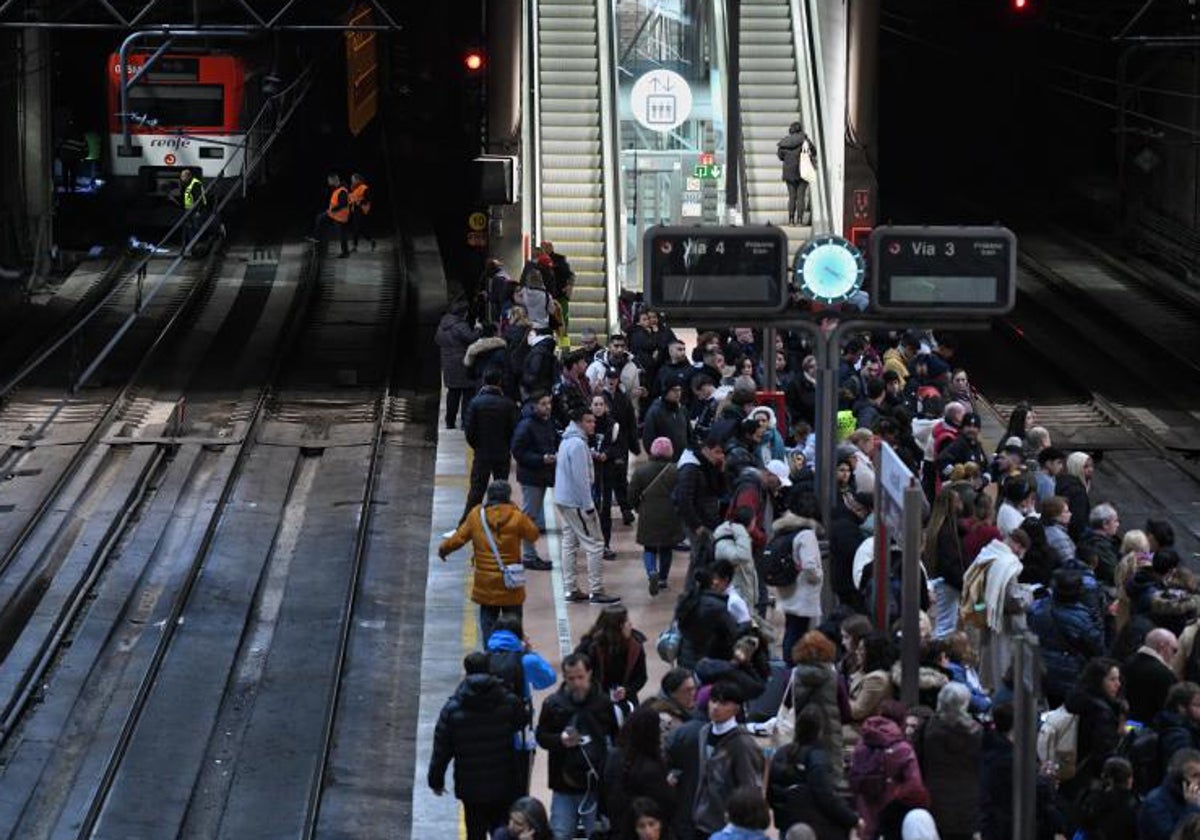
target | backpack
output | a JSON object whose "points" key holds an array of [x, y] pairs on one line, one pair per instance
{"points": [[778, 566], [1191, 666], [972, 608], [869, 773], [509, 666], [1141, 747], [1058, 741]]}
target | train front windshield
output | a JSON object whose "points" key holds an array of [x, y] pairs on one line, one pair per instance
{"points": [[195, 106]]}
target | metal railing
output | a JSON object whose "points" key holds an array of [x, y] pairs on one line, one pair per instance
{"points": [[609, 149], [807, 44], [282, 105]]}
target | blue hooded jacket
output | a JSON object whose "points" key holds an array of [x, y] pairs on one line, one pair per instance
{"points": [[538, 672]]}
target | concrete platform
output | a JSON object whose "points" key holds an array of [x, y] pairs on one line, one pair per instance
{"points": [[553, 625]]}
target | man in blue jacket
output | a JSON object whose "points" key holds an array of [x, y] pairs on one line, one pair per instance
{"points": [[1176, 799], [534, 445], [573, 476]]}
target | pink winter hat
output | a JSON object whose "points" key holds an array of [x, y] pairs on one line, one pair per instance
{"points": [[662, 448]]}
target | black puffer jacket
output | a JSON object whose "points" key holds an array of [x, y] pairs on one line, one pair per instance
{"points": [[569, 767], [698, 492], [706, 627], [950, 768], [802, 790], [491, 421], [533, 439], [475, 730]]}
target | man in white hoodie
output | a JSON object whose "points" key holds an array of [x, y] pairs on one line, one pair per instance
{"points": [[573, 475]]}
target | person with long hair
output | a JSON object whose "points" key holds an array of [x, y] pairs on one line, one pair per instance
{"points": [[617, 653], [636, 768], [801, 785], [527, 820], [815, 685], [1075, 484], [871, 684], [1097, 700], [943, 556], [1019, 421], [706, 628]]}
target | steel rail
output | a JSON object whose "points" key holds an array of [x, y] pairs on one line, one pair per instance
{"points": [[285, 348], [12, 708], [365, 519]]}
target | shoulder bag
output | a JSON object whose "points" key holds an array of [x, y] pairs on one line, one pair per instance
{"points": [[513, 574]]}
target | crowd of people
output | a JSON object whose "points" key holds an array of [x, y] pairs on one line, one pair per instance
{"points": [[781, 707]]}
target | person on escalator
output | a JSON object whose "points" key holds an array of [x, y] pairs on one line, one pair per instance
{"points": [[798, 156]]}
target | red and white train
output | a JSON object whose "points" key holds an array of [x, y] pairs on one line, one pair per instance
{"points": [[187, 110]]}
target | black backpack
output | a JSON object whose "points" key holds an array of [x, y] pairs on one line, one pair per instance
{"points": [[509, 666], [778, 567], [1144, 752]]}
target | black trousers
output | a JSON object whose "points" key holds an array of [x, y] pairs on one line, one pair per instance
{"points": [[797, 199], [321, 230], [484, 818], [483, 470], [358, 228], [456, 406]]}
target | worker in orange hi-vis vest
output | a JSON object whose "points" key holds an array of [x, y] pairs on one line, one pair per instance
{"points": [[337, 214], [360, 209]]}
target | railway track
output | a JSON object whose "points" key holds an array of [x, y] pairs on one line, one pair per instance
{"points": [[1111, 345], [222, 516]]}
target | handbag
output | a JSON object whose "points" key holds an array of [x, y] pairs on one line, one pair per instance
{"points": [[808, 172], [513, 574], [782, 728], [669, 641]]}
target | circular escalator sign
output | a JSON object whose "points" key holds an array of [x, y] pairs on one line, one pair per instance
{"points": [[661, 100]]}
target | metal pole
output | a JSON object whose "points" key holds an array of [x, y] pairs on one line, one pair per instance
{"points": [[881, 567], [1024, 736], [169, 34], [826, 431], [910, 652], [769, 373]]}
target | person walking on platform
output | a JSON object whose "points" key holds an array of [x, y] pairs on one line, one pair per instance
{"points": [[491, 421], [454, 335], [795, 151], [360, 209], [535, 449], [336, 214], [195, 205], [475, 730], [573, 478], [495, 530]]}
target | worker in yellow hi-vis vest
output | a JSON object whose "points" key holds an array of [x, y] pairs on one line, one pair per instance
{"points": [[195, 206], [336, 214]]}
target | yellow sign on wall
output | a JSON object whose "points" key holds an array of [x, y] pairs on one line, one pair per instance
{"points": [[362, 70]]}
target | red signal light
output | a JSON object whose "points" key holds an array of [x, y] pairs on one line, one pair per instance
{"points": [[473, 60], [1020, 5]]}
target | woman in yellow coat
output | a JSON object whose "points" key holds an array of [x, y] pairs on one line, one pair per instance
{"points": [[508, 526]]}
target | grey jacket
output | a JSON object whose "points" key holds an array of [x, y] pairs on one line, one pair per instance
{"points": [[573, 471]]}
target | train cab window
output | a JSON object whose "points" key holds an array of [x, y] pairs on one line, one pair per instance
{"points": [[180, 105]]}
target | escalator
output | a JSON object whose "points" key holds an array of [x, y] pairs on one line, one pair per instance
{"points": [[570, 109]]}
